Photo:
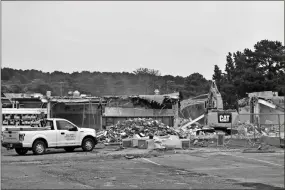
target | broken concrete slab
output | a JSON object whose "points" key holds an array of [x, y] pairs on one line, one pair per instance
{"points": [[193, 121]]}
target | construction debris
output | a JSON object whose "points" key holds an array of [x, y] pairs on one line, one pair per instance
{"points": [[165, 137], [191, 122], [249, 130], [132, 130], [137, 127], [168, 142]]}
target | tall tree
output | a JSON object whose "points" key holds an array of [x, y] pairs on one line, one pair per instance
{"points": [[252, 71], [217, 76], [195, 84], [269, 55], [230, 67]]}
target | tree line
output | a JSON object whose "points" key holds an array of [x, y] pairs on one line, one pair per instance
{"points": [[260, 69], [140, 81]]}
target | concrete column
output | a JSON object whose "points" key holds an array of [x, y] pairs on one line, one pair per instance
{"points": [[176, 116], [257, 111]]}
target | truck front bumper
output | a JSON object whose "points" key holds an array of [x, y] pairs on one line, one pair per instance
{"points": [[12, 145]]}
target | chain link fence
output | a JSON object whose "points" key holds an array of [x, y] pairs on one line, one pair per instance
{"points": [[253, 130], [244, 131]]}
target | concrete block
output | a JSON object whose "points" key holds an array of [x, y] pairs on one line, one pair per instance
{"points": [[127, 143], [150, 144], [135, 142], [185, 143], [221, 140], [142, 144], [172, 142]]}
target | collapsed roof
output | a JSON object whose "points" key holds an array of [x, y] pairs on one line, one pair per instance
{"points": [[266, 98], [157, 99], [160, 99], [78, 100]]}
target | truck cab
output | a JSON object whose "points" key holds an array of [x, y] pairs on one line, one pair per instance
{"points": [[52, 133]]}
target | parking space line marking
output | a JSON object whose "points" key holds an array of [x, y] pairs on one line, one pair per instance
{"points": [[255, 160], [151, 161], [229, 168]]}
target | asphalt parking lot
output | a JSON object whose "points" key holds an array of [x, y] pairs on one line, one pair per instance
{"points": [[169, 170]]}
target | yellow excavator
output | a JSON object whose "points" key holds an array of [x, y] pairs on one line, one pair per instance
{"points": [[216, 117]]}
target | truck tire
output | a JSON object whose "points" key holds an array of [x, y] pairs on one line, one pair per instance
{"points": [[88, 144], [69, 149], [39, 147], [21, 151]]}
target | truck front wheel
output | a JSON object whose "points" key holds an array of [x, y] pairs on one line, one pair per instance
{"points": [[88, 144], [39, 147], [21, 151]]}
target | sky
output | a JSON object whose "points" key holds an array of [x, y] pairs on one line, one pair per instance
{"points": [[174, 37]]}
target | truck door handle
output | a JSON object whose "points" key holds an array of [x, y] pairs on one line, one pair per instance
{"points": [[62, 133]]}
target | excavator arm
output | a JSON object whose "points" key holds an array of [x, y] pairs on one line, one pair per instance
{"points": [[215, 100]]}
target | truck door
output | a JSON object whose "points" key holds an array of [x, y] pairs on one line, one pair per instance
{"points": [[64, 136], [51, 134]]}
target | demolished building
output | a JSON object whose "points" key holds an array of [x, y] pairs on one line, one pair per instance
{"points": [[21, 100], [163, 108], [262, 107], [98, 112], [194, 107], [268, 104], [82, 111]]}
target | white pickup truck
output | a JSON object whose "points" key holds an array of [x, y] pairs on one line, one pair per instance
{"points": [[54, 133]]}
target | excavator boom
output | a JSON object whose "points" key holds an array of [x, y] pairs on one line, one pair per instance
{"points": [[215, 100]]}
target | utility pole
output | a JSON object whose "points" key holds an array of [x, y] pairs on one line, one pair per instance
{"points": [[48, 94]]}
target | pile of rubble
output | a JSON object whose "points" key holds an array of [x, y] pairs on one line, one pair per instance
{"points": [[149, 127], [137, 126], [248, 130], [141, 128]]}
